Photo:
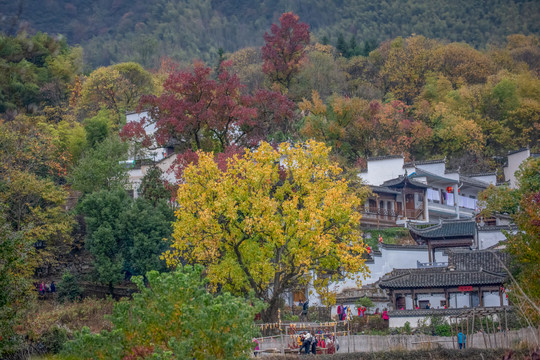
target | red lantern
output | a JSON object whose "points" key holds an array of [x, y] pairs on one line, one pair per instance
{"points": [[449, 189]]}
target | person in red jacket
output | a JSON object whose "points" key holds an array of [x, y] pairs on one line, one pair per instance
{"points": [[385, 315]]}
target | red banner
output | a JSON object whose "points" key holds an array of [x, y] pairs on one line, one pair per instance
{"points": [[465, 288]]}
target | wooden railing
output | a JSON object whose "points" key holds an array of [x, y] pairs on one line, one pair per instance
{"points": [[393, 214]]}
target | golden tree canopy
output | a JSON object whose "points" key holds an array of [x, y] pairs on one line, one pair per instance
{"points": [[275, 218]]}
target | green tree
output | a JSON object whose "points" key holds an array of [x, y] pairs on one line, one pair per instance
{"points": [[525, 245], [123, 235], [153, 187], [102, 167], [68, 288], [173, 317], [523, 203], [117, 88], [30, 170], [16, 272], [98, 127], [342, 46], [365, 302]]}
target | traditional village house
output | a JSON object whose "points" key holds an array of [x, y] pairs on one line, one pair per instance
{"points": [[426, 191], [470, 279]]}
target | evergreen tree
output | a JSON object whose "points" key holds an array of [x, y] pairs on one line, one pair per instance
{"points": [[353, 47], [68, 288], [342, 45]]}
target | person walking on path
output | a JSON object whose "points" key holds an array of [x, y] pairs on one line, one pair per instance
{"points": [[305, 308]]}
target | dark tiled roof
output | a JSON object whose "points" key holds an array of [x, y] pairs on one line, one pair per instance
{"points": [[375, 158], [424, 162], [383, 189], [482, 174], [474, 182], [516, 151], [403, 247], [424, 173], [498, 228], [404, 180], [446, 229], [477, 260], [438, 277]]}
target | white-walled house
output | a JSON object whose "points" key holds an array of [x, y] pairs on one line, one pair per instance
{"points": [[438, 194], [515, 158], [472, 278], [156, 153]]}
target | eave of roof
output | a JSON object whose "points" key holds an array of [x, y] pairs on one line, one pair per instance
{"points": [[494, 173], [517, 151], [427, 174], [446, 229], [404, 180], [474, 182], [383, 189], [424, 162], [384, 157], [438, 277]]}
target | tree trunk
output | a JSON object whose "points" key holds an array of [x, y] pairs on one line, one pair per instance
{"points": [[111, 288], [270, 313]]}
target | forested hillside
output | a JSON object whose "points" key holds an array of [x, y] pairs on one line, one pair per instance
{"points": [[144, 31], [65, 145]]}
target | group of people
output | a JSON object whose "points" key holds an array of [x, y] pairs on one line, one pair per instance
{"points": [[308, 343], [46, 288], [344, 312]]}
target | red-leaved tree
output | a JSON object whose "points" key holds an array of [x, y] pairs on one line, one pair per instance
{"points": [[199, 112], [285, 49]]}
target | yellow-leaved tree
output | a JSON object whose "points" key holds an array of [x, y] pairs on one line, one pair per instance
{"points": [[272, 220]]}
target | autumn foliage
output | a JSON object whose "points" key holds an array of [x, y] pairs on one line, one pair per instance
{"points": [[285, 49], [275, 218]]}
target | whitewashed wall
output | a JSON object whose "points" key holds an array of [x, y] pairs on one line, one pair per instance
{"points": [[379, 171], [388, 260], [437, 168], [514, 160]]}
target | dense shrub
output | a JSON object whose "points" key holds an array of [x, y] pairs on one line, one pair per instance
{"points": [[173, 316], [53, 339]]}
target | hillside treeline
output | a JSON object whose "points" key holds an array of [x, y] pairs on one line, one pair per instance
{"points": [[145, 31], [414, 95]]}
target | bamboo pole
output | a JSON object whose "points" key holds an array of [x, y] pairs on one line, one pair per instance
{"points": [[488, 334], [482, 328], [467, 339], [452, 333], [507, 342], [472, 332], [494, 332]]}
